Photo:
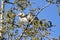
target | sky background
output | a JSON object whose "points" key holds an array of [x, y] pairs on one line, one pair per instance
{"points": [[49, 13]]}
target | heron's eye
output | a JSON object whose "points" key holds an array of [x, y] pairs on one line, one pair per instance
{"points": [[21, 14]]}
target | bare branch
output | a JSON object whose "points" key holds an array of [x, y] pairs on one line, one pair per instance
{"points": [[40, 11]]}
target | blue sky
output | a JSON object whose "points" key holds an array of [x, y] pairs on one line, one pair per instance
{"points": [[49, 13]]}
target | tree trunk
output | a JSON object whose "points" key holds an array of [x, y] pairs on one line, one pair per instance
{"points": [[1, 17]]}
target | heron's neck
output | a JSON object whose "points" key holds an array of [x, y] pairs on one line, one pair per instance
{"points": [[23, 16]]}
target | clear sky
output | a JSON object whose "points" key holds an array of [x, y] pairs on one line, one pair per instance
{"points": [[49, 13]]}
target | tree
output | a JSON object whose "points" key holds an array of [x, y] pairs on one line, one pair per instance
{"points": [[35, 29]]}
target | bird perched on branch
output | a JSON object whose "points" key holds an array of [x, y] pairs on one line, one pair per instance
{"points": [[26, 18], [22, 17]]}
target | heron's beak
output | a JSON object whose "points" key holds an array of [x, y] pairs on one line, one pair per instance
{"points": [[17, 14]]}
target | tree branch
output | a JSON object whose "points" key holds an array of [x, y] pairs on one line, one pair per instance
{"points": [[40, 11]]}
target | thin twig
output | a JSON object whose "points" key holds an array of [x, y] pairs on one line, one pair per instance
{"points": [[40, 11], [20, 36]]}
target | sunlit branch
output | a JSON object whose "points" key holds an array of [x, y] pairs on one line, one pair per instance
{"points": [[40, 11], [2, 14]]}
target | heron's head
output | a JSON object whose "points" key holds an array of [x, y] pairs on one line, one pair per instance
{"points": [[21, 14]]}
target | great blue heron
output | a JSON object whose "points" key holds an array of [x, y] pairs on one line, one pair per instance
{"points": [[27, 17]]}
